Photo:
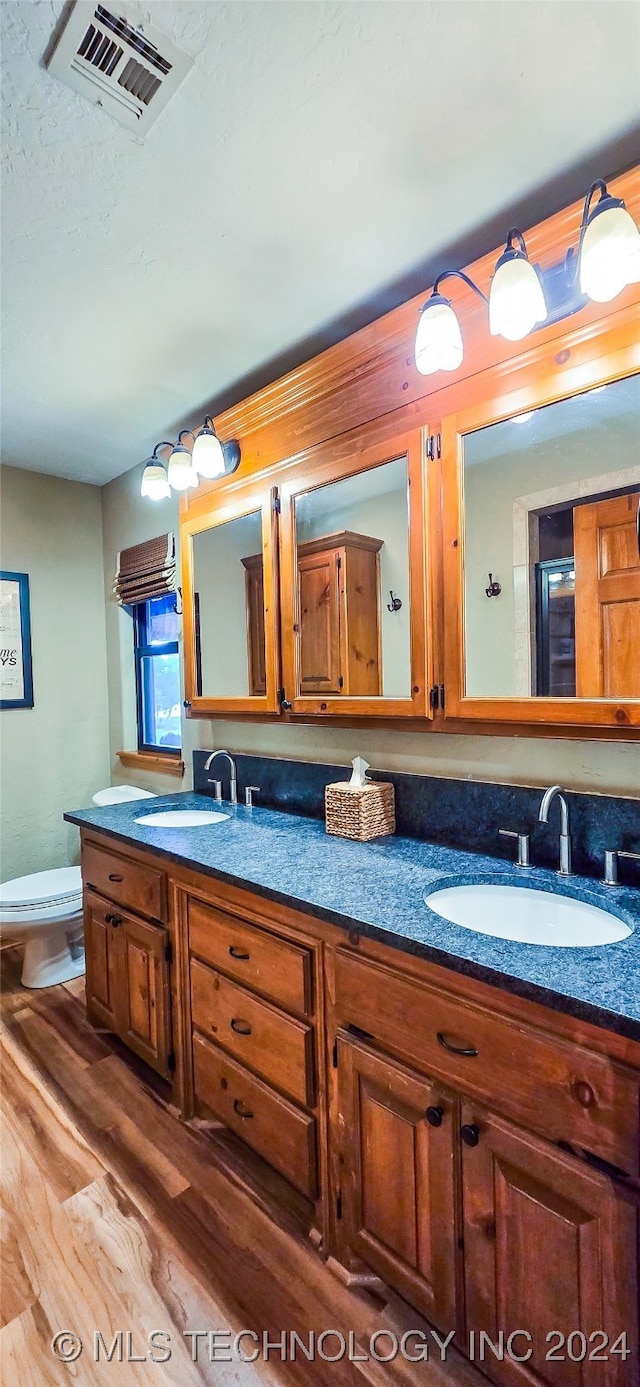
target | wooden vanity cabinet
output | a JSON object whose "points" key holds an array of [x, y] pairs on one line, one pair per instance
{"points": [[127, 962], [398, 1134], [127, 956], [476, 1152], [253, 1043], [551, 1248], [481, 1224]]}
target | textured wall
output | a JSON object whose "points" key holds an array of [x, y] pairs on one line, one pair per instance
{"points": [[54, 755]]}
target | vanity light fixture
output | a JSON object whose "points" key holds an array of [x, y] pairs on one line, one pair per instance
{"points": [[207, 454], [155, 482], [523, 296], [438, 337], [208, 458], [516, 300], [609, 247], [181, 471]]}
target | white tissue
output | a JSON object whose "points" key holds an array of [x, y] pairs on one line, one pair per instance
{"points": [[359, 773]]}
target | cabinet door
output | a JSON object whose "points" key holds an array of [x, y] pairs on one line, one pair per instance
{"points": [[319, 601], [101, 951], [551, 1249], [143, 1006], [256, 643], [398, 1196]]}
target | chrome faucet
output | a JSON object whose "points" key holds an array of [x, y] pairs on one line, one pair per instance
{"points": [[565, 837], [233, 780]]}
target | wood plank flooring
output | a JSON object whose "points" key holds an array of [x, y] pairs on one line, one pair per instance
{"points": [[121, 1220]]}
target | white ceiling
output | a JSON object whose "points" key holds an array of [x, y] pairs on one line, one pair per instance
{"points": [[315, 154]]}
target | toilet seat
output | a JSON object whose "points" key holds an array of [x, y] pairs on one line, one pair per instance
{"points": [[43, 911], [49, 895]]}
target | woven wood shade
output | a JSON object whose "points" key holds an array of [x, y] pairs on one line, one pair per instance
{"points": [[146, 570]]}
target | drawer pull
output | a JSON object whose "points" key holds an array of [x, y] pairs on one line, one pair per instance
{"points": [[455, 1049], [434, 1116], [584, 1094], [113, 920], [240, 1109], [470, 1133], [113, 876], [237, 953], [240, 1027]]}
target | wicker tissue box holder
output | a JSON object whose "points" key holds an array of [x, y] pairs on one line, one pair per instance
{"points": [[361, 813]]}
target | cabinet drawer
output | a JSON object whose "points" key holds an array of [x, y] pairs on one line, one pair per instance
{"points": [[124, 881], [550, 1086], [277, 1130], [259, 960], [275, 1046]]}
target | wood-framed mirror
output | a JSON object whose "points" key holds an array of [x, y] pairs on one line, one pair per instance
{"points": [[229, 558], [541, 545], [353, 573]]}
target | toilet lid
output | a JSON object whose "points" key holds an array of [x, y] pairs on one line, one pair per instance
{"points": [[55, 887]]}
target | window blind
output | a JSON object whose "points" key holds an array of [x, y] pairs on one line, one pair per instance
{"points": [[146, 570]]}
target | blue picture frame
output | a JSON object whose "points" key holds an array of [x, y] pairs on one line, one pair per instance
{"points": [[16, 669]]}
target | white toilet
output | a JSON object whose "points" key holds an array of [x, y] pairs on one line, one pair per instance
{"points": [[43, 911]]}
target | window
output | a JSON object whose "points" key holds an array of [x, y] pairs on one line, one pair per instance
{"points": [[156, 627]]}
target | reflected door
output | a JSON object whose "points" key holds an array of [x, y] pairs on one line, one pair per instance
{"points": [[607, 566]]}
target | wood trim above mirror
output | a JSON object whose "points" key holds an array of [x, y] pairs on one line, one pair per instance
{"points": [[588, 359]]}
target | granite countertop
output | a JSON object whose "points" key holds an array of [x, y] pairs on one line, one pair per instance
{"points": [[379, 888]]}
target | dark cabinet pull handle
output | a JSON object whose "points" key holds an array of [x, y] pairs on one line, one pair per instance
{"points": [[434, 1116], [240, 1109], [470, 1133], [237, 953], [455, 1049], [113, 876], [240, 1027], [113, 920]]}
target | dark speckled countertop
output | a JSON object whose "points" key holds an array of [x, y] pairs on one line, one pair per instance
{"points": [[379, 888]]}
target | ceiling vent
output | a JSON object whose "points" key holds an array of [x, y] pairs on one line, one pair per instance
{"points": [[130, 69]]}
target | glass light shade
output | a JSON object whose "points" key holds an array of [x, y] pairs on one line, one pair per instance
{"points": [[155, 483], [438, 344], [610, 254], [181, 471], [516, 300], [207, 455]]}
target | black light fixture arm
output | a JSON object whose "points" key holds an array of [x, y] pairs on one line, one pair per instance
{"points": [[459, 274], [164, 444]]}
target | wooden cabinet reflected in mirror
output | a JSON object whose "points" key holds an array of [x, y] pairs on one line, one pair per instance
{"points": [[353, 583], [339, 606]]}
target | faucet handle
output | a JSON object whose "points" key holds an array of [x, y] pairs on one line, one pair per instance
{"points": [[611, 856], [217, 789], [523, 845], [250, 791]]}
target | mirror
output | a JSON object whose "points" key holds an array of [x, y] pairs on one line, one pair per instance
{"points": [[551, 550], [352, 563], [228, 594]]}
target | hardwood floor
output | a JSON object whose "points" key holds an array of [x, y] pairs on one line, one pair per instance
{"points": [[120, 1220]]}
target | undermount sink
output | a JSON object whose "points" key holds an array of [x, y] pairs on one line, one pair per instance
{"points": [[180, 818], [527, 916]]}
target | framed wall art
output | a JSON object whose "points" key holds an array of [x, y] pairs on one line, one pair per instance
{"points": [[16, 680]]}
